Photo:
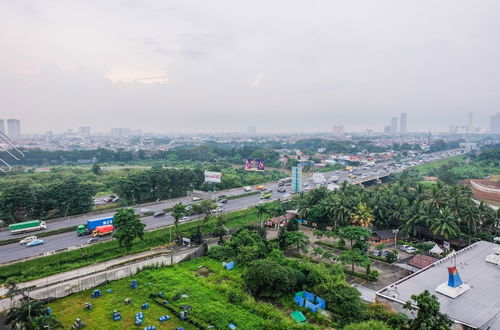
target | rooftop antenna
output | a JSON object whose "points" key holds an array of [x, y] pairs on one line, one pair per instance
{"points": [[17, 155]]}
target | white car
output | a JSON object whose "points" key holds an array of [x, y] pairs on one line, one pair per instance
{"points": [[184, 219], [411, 249], [404, 247], [26, 240]]}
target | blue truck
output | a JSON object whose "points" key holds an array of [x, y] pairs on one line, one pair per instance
{"points": [[88, 228]]}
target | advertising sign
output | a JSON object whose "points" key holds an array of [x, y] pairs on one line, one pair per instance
{"points": [[254, 164], [213, 176]]}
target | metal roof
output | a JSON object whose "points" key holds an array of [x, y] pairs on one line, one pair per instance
{"points": [[479, 307]]}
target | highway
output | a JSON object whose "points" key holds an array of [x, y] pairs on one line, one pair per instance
{"points": [[15, 251]]}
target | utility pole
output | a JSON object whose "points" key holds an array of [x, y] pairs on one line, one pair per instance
{"points": [[395, 232]]}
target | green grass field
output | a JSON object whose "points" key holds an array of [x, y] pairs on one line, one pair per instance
{"points": [[65, 261], [426, 168], [215, 294]]}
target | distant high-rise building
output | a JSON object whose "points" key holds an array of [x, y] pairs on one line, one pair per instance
{"points": [[387, 129], [338, 130], [85, 130], [402, 123], [14, 128], [470, 123], [252, 130], [369, 132], [2, 126], [394, 125], [495, 123], [121, 131]]}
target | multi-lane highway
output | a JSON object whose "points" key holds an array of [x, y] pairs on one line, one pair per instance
{"points": [[12, 252]]}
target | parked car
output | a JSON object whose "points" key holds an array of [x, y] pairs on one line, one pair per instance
{"points": [[281, 190], [93, 240], [411, 249], [28, 239], [376, 253], [404, 247], [35, 242], [159, 214], [184, 219]]}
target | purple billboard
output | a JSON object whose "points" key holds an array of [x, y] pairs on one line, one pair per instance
{"points": [[254, 164]]}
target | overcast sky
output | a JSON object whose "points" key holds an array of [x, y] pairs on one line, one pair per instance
{"points": [[286, 65]]}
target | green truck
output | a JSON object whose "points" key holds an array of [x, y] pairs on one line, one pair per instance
{"points": [[266, 194], [23, 227]]}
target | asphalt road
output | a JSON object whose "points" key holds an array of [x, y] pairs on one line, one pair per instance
{"points": [[15, 251]]}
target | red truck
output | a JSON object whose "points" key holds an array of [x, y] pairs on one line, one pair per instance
{"points": [[103, 230]]}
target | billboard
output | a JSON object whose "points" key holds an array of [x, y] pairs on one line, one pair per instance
{"points": [[254, 164], [213, 176]]}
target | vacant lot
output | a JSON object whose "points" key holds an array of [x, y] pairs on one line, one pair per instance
{"points": [[215, 294]]}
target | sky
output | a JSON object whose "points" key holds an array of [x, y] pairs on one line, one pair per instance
{"points": [[223, 65]]}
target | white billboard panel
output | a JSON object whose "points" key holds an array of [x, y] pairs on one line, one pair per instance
{"points": [[213, 176]]}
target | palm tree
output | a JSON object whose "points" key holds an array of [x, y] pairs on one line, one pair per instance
{"points": [[304, 204], [178, 212], [436, 194], [206, 208], [445, 224], [362, 215], [261, 210], [342, 212], [414, 220]]}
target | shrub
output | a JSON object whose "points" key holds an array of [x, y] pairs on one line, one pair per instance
{"points": [[341, 243], [235, 296], [222, 253], [267, 278], [368, 325], [372, 276]]}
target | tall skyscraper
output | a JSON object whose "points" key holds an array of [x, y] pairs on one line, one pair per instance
{"points": [[394, 125], [2, 126], [338, 130], [402, 123], [495, 123], [14, 128], [84, 131], [469, 127], [252, 130]]}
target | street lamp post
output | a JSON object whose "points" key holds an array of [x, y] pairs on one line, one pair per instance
{"points": [[395, 232]]}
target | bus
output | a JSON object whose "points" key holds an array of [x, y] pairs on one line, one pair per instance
{"points": [[282, 182]]}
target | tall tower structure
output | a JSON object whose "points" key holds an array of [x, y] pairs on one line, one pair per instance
{"points": [[469, 127], [394, 125], [2, 126], [402, 123], [14, 128]]}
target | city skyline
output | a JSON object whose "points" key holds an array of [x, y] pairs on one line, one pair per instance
{"points": [[199, 67]]}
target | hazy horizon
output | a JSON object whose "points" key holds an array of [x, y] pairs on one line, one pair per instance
{"points": [[223, 66]]}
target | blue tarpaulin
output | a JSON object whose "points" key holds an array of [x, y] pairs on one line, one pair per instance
{"points": [[309, 300], [228, 265]]}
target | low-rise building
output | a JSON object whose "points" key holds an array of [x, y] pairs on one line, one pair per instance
{"points": [[467, 284]]}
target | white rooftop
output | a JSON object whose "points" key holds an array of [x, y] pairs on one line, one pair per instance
{"points": [[478, 306]]}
